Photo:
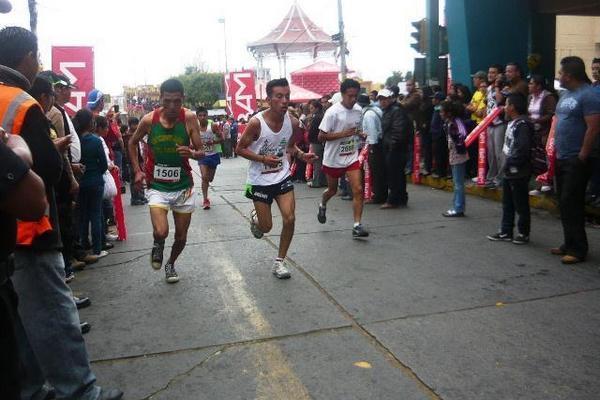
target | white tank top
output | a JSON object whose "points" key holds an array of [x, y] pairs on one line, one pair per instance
{"points": [[208, 136], [270, 143]]}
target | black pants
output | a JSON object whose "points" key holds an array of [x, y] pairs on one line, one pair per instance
{"points": [[426, 150], [378, 176], [65, 221], [515, 198], [572, 176], [395, 162], [9, 362], [440, 153]]}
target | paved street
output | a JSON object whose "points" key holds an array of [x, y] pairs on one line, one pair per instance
{"points": [[426, 308]]}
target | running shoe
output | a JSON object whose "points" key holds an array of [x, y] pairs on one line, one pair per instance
{"points": [[254, 225], [358, 231], [280, 270], [206, 204], [111, 237], [500, 237], [535, 192], [170, 273], [156, 257], [321, 216]]}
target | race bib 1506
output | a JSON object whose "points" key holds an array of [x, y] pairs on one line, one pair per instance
{"points": [[166, 174]]}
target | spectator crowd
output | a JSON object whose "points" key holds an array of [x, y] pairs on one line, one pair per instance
{"points": [[62, 179]]}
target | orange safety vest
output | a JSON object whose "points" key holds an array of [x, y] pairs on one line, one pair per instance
{"points": [[14, 105]]}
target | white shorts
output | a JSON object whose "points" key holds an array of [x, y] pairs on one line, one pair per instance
{"points": [[182, 201]]}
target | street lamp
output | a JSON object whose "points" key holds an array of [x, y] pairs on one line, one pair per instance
{"points": [[222, 21], [5, 6]]}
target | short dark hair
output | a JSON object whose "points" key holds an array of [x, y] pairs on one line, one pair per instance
{"points": [[454, 108], [82, 121], [101, 122], [349, 84], [575, 67], [15, 44], [316, 104], [201, 109], [497, 67], [39, 87], [133, 121], [374, 92], [516, 65], [171, 86], [596, 60], [518, 101], [281, 82]]}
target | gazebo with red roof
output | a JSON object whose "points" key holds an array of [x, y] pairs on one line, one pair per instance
{"points": [[295, 34], [321, 77]]}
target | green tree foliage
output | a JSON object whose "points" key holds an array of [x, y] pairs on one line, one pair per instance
{"points": [[201, 88], [394, 79]]}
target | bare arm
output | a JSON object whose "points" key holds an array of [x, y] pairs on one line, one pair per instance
{"points": [[324, 136], [593, 127], [292, 146], [250, 135], [193, 128], [219, 132], [141, 131]]}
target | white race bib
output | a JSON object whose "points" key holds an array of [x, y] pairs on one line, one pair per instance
{"points": [[347, 147], [208, 148], [166, 174]]}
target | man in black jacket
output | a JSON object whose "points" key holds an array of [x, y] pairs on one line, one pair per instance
{"points": [[517, 171], [397, 130], [46, 309]]}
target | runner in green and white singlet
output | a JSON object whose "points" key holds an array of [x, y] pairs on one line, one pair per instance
{"points": [[167, 173]]}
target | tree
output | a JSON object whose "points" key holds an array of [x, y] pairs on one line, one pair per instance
{"points": [[394, 79], [201, 88]]}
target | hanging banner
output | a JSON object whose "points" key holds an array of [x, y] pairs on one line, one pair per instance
{"points": [[77, 64], [483, 125], [240, 94]]}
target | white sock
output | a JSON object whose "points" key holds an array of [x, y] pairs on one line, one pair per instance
{"points": [[356, 224], [322, 205], [278, 259]]}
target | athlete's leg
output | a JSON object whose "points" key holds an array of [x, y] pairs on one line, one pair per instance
{"points": [[208, 174], [287, 207], [264, 216], [182, 224], [160, 223], [332, 186], [355, 180]]}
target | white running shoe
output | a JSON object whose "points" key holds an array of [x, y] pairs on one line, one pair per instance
{"points": [[535, 193], [102, 254], [280, 270], [111, 237], [546, 189], [254, 225]]}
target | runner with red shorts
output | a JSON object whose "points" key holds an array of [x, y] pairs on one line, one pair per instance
{"points": [[339, 130]]}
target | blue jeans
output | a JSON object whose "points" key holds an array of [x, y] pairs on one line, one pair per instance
{"points": [[458, 178], [90, 212], [50, 344]]}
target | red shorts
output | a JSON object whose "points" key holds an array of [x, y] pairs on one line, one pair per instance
{"points": [[339, 172]]}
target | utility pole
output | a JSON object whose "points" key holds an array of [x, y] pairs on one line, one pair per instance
{"points": [[342, 41], [433, 46], [222, 21]]}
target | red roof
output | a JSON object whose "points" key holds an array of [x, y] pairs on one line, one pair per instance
{"points": [[297, 94], [318, 68], [295, 34]]}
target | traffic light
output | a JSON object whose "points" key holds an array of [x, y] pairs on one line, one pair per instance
{"points": [[420, 36], [443, 41]]}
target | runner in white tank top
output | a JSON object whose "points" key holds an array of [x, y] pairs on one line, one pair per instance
{"points": [[211, 138], [269, 142], [339, 131]]}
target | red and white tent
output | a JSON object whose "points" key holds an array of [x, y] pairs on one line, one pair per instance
{"points": [[295, 34], [297, 94]]}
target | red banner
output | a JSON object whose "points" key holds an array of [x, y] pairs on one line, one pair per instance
{"points": [[482, 158], [548, 177], [240, 93], [483, 125], [77, 64], [416, 172]]}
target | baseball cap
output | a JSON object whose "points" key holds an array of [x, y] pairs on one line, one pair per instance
{"points": [[62, 80], [385, 93], [438, 96], [480, 75], [363, 100], [94, 97]]}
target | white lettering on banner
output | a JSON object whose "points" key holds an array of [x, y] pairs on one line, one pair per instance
{"points": [[78, 101], [243, 101], [65, 69]]}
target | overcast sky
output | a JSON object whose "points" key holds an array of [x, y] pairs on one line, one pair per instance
{"points": [[139, 42]]}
